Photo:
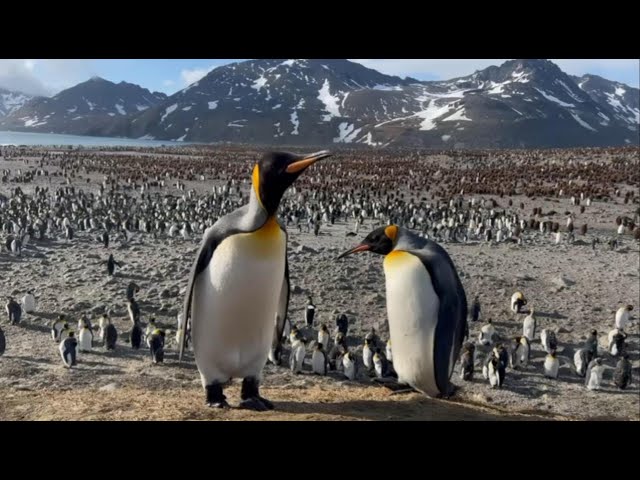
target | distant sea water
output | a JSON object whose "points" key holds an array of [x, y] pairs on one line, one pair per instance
{"points": [[50, 139]]}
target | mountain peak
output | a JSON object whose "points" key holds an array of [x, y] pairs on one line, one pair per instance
{"points": [[322, 101]]}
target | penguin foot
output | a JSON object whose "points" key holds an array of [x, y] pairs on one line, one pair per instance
{"points": [[254, 403], [215, 397], [266, 403], [251, 398], [452, 391]]}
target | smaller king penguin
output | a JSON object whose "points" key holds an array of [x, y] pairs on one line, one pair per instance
{"points": [[136, 336], [319, 360], [298, 352], [349, 365], [110, 335], [85, 338], [324, 336], [551, 365], [594, 374], [56, 328], [156, 346], [68, 350], [380, 364]]}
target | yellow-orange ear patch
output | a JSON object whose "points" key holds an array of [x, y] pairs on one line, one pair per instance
{"points": [[255, 182], [392, 232]]}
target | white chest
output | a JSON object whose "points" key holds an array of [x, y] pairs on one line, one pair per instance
{"points": [[235, 300], [412, 307]]}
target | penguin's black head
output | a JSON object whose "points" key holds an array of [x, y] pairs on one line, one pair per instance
{"points": [[381, 240], [594, 333], [276, 171]]}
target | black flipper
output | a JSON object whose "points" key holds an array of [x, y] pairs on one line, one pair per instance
{"points": [[452, 314], [283, 308]]}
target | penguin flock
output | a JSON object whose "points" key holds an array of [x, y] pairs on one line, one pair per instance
{"points": [[235, 316], [588, 360]]}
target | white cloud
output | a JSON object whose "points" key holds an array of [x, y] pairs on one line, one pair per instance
{"points": [[192, 76], [44, 77], [18, 75], [168, 83], [439, 69]]}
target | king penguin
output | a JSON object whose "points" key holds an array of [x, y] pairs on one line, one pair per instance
{"points": [[29, 302], [240, 281], [68, 350], [319, 360], [426, 306], [85, 337]]}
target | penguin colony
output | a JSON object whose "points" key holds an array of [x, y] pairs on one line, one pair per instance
{"points": [[424, 264]]}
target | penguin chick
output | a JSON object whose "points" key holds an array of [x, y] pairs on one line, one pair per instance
{"points": [[592, 344], [389, 351], [622, 373], [581, 360], [466, 361]]}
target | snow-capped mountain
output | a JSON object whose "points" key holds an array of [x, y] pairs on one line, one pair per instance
{"points": [[265, 101], [623, 101], [11, 101], [94, 107], [521, 103]]}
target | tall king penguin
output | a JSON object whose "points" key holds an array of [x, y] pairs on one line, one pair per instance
{"points": [[426, 306], [239, 282]]}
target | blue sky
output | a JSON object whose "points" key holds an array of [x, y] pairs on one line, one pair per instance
{"points": [[171, 75]]}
